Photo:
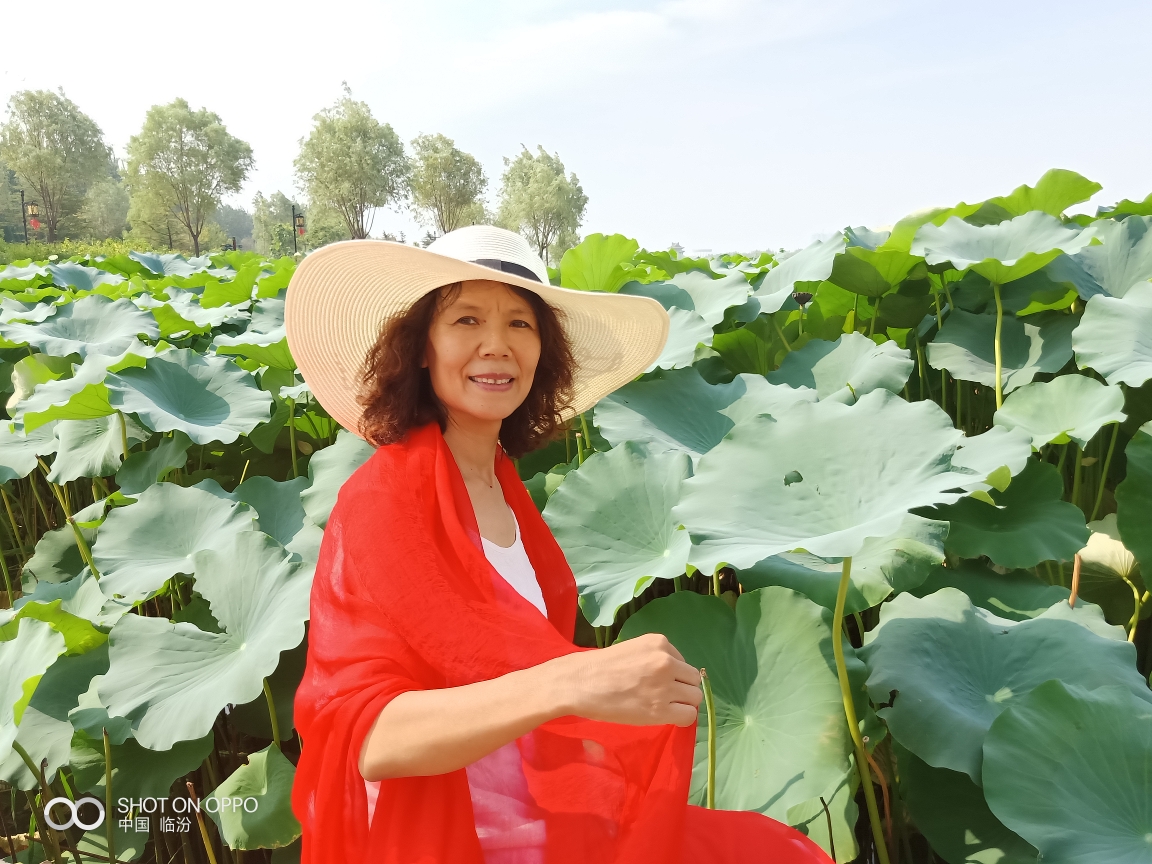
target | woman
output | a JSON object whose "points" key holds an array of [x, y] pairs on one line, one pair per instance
{"points": [[445, 713]]}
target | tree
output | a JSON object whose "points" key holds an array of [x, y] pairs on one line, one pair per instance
{"points": [[537, 200], [105, 211], [56, 150], [351, 163], [188, 159], [235, 222], [272, 223], [446, 184], [152, 219]]}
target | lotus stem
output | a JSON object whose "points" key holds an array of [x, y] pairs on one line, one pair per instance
{"points": [[831, 839], [1104, 473], [850, 713], [587, 434], [200, 819], [883, 791], [108, 799], [959, 406], [40, 501], [272, 715], [710, 707], [85, 552], [676, 586], [7, 578], [1075, 581], [1137, 602], [921, 363], [579, 450], [780, 332], [12, 521], [875, 315], [1075, 499], [996, 347], [123, 434], [292, 434]]}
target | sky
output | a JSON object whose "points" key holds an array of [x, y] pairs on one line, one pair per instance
{"points": [[721, 125]]}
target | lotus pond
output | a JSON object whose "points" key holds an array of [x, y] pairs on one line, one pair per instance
{"points": [[893, 490]]}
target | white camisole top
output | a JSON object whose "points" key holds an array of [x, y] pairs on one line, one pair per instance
{"points": [[501, 802]]}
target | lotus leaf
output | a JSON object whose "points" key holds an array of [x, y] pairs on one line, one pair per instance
{"points": [[811, 818], [93, 448], [598, 263], [1016, 596], [328, 470], [79, 634], [1115, 336], [141, 469], [18, 450], [142, 546], [80, 596], [613, 519], [280, 513], [1000, 253], [12, 311], [268, 778], [966, 345], [171, 264], [43, 737], [798, 272], [846, 369], [129, 843], [1124, 259], [686, 331], [22, 272], [761, 397], [137, 772], [666, 294], [883, 566], [855, 472], [781, 738], [955, 668], [1068, 407], [711, 297], [1053, 193], [90, 325], [28, 372], [252, 717], [950, 810], [69, 275], [23, 661], [208, 398], [1027, 524], [182, 312], [257, 593], [871, 272], [1134, 497], [1109, 575], [1067, 768]]}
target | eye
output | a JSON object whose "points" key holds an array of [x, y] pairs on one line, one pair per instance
{"points": [[466, 319], [520, 322]]}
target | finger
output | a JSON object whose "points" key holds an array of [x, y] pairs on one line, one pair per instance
{"points": [[686, 694], [687, 674], [682, 715], [671, 649]]}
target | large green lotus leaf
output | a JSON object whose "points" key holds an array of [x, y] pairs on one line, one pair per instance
{"points": [[57, 557], [143, 468], [781, 738], [18, 451], [686, 331], [1053, 193], [811, 819], [43, 737], [171, 680], [80, 596], [79, 634], [208, 398], [1017, 595], [799, 271], [90, 325], [1134, 497], [91, 716], [761, 397], [1029, 522], [955, 668], [1126, 207], [142, 546], [1115, 336], [965, 346], [711, 297], [871, 272], [328, 469], [69, 275], [883, 566], [846, 369], [23, 661], [678, 411], [1003, 252], [93, 448], [1068, 769], [93, 845], [137, 772], [181, 314], [280, 513], [28, 372], [269, 349], [268, 779], [613, 519], [950, 811], [1069, 407], [252, 717], [1109, 574], [598, 263], [171, 265], [22, 272], [826, 476], [30, 313], [1124, 259]]}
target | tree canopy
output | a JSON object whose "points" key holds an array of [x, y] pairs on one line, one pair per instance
{"points": [[186, 160], [352, 164], [540, 202], [446, 184], [55, 149]]}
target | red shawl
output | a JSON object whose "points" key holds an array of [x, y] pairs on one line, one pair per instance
{"points": [[404, 599]]}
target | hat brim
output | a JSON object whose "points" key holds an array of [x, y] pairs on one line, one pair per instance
{"points": [[340, 296]]}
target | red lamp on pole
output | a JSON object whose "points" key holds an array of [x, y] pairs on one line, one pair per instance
{"points": [[33, 215]]}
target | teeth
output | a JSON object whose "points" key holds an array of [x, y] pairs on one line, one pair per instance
{"points": [[491, 380]]}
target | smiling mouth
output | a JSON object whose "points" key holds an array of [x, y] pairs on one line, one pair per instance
{"points": [[485, 379]]}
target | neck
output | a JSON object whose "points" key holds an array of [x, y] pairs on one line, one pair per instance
{"points": [[473, 444]]}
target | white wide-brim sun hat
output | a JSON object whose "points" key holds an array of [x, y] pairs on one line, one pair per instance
{"points": [[342, 294]]}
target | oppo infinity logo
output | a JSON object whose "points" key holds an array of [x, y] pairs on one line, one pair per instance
{"points": [[75, 817]]}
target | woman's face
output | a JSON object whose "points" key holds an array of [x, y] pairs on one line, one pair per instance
{"points": [[482, 351]]}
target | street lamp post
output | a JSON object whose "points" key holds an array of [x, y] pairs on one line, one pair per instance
{"points": [[34, 215], [24, 217], [297, 228]]}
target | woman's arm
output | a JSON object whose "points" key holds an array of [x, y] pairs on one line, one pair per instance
{"points": [[642, 681]]}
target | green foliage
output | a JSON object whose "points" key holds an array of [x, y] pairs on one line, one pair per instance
{"points": [[539, 201], [447, 184]]}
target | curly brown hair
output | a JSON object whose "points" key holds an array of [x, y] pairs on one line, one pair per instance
{"points": [[397, 395]]}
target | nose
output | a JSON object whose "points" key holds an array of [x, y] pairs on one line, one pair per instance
{"points": [[494, 341]]}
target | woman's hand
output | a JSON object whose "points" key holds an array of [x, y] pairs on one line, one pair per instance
{"points": [[641, 682]]}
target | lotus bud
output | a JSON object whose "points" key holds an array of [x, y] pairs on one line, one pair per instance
{"points": [[802, 297]]}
